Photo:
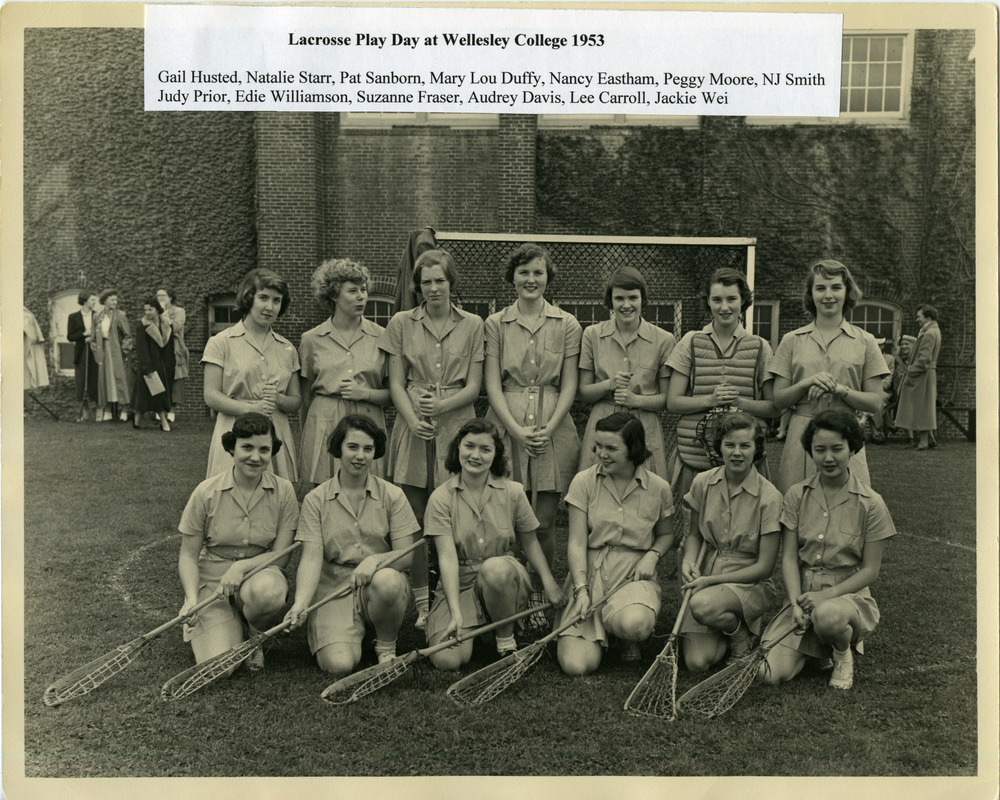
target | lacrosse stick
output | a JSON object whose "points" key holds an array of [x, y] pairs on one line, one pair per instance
{"points": [[485, 684], [85, 679], [200, 675], [714, 696], [367, 681], [655, 695]]}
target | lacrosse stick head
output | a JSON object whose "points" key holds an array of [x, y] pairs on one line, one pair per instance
{"points": [[715, 695], [367, 681], [656, 694], [194, 678], [85, 679], [705, 432], [483, 685]]}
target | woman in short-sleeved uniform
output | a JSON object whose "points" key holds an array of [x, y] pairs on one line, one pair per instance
{"points": [[475, 518], [834, 529], [233, 521], [435, 372], [623, 367], [532, 349], [249, 367], [347, 525], [618, 522], [735, 512], [827, 364], [720, 366], [343, 371]]}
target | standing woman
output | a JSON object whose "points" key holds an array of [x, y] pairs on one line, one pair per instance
{"points": [[474, 518], [619, 522], [80, 330], [343, 370], [250, 368], [113, 338], [348, 525], [152, 340], [735, 512], [232, 522], [623, 367], [435, 372], [532, 349], [917, 409], [827, 364], [178, 370], [834, 529], [722, 366]]}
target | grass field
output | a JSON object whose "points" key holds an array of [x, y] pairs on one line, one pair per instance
{"points": [[101, 508]]}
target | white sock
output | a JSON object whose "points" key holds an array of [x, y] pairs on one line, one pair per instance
{"points": [[422, 598], [506, 644], [842, 655]]}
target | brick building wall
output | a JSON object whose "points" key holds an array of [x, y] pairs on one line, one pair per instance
{"points": [[197, 199]]}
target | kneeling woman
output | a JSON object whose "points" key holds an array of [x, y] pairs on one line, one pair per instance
{"points": [[834, 529], [475, 517], [735, 511], [618, 523], [232, 522], [349, 523]]}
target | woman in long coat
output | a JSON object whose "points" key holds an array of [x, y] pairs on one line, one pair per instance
{"points": [[918, 395], [178, 371], [152, 339], [113, 338], [80, 331]]}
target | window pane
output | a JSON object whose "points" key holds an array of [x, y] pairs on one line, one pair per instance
{"points": [[892, 100], [857, 100], [875, 100], [845, 49], [843, 99], [65, 351], [894, 75], [859, 72], [876, 75], [877, 52], [895, 49], [860, 49]]}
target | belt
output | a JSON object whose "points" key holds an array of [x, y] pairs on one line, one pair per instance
{"points": [[433, 387]]}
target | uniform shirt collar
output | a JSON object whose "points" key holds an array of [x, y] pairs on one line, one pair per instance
{"points": [[512, 313], [332, 488]]}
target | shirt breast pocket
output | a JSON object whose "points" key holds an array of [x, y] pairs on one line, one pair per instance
{"points": [[264, 525], [554, 340]]}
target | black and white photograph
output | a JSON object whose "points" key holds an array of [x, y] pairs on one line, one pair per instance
{"points": [[636, 452]]}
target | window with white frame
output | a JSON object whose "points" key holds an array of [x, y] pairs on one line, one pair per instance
{"points": [[876, 71], [392, 119], [881, 320], [765, 321], [481, 308], [379, 309], [873, 75], [222, 313]]}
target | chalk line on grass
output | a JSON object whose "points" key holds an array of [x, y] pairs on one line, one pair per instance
{"points": [[118, 576], [939, 540]]}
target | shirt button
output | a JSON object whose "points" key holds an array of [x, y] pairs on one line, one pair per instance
{"points": [[821, 536], [262, 358], [626, 359], [532, 361], [619, 508], [482, 541], [246, 519], [350, 372], [825, 514], [438, 345], [437, 365], [531, 416], [531, 341]]}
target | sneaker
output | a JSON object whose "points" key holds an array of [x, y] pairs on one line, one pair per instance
{"points": [[843, 672], [630, 651], [739, 644], [255, 663], [421, 623], [106, 416], [825, 664]]}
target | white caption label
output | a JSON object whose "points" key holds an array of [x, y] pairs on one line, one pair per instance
{"points": [[514, 61]]}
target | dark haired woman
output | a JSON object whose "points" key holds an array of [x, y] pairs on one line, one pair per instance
{"points": [[917, 410], [343, 370], [735, 512], [250, 368], [474, 518], [232, 522], [827, 364], [618, 523], [112, 340], [532, 349], [623, 366], [348, 524], [722, 366], [80, 331], [834, 530], [435, 372], [177, 361], [152, 340]]}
